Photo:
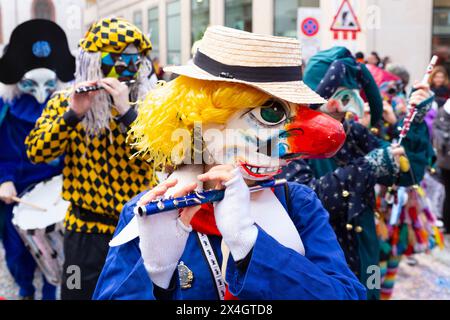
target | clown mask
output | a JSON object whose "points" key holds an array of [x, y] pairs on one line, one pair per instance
{"points": [[263, 139], [344, 101], [39, 83], [123, 66], [195, 122], [392, 92]]}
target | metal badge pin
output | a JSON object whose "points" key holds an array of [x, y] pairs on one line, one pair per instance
{"points": [[186, 276]]}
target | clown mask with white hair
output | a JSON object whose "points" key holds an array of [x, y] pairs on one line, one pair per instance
{"points": [[113, 48]]}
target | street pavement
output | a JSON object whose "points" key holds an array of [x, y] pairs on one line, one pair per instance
{"points": [[428, 280]]}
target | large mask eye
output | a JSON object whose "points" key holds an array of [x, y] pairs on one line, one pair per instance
{"points": [[345, 100], [51, 84], [27, 85], [272, 113]]}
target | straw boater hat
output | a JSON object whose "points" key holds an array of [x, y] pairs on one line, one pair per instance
{"points": [[271, 64]]}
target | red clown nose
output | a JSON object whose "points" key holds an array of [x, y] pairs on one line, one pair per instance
{"points": [[313, 135]]}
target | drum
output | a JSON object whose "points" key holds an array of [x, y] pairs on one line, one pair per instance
{"points": [[42, 229]]}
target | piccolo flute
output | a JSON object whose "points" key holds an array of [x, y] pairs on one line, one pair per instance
{"points": [[413, 108], [197, 198], [99, 87]]}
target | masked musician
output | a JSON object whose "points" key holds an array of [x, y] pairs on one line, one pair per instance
{"points": [[415, 230], [272, 244], [36, 58], [346, 182], [90, 128]]}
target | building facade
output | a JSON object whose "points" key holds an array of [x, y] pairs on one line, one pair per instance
{"points": [[441, 30], [67, 13], [408, 31]]}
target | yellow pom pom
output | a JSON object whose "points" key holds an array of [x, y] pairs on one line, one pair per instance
{"points": [[421, 192], [404, 164]]}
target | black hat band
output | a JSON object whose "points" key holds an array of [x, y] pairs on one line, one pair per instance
{"points": [[249, 74]]}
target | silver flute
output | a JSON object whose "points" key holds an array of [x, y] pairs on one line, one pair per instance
{"points": [[99, 87]]}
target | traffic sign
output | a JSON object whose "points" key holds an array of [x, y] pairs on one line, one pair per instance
{"points": [[310, 27], [345, 22]]}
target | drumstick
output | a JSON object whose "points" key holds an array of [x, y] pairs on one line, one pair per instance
{"points": [[18, 200]]}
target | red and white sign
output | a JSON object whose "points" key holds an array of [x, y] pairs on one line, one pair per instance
{"points": [[345, 22], [310, 26], [309, 31]]}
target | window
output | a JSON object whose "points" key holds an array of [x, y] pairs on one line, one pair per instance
{"points": [[43, 9], [441, 31], [286, 15], [153, 29], [173, 32], [238, 14], [137, 19], [200, 18]]}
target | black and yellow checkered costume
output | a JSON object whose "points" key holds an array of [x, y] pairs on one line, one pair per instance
{"points": [[114, 35], [99, 175]]}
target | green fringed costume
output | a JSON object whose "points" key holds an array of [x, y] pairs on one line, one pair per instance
{"points": [[346, 183]]}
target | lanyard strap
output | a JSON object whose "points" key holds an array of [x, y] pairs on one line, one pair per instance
{"points": [[214, 266]]}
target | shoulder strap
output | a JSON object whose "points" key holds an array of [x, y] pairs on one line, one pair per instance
{"points": [[288, 198], [210, 256]]}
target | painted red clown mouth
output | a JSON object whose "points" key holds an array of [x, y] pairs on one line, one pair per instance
{"points": [[260, 172]]}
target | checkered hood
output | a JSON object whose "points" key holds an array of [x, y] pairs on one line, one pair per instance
{"points": [[114, 35]]}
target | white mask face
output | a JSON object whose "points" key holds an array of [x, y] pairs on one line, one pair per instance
{"points": [[251, 141], [263, 139], [347, 100], [40, 83]]}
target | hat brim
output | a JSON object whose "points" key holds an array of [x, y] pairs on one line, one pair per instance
{"points": [[293, 91]]}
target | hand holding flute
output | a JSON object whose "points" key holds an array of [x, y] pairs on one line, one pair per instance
{"points": [[97, 87], [196, 198], [163, 237], [81, 103], [85, 92]]}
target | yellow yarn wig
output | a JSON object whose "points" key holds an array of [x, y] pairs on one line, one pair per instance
{"points": [[180, 104]]}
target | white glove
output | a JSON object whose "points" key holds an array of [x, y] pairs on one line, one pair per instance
{"points": [[233, 217], [162, 242], [163, 236]]}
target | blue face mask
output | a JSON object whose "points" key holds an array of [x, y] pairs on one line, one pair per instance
{"points": [[39, 83], [121, 66]]}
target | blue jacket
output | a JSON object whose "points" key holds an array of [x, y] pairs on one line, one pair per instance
{"points": [[17, 119], [273, 271]]}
